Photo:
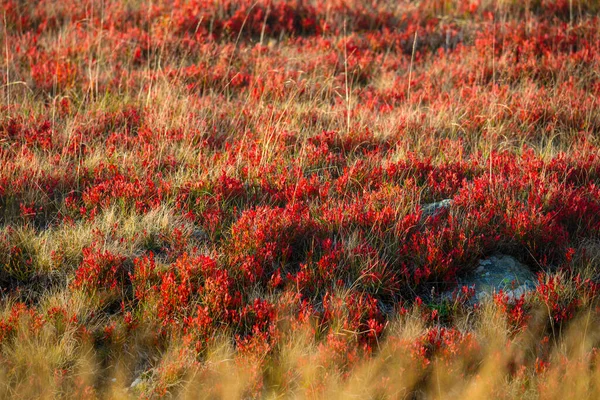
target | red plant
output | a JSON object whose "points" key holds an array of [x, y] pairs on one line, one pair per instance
{"points": [[100, 270]]}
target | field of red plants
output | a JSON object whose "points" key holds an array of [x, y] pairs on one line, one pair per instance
{"points": [[227, 199]]}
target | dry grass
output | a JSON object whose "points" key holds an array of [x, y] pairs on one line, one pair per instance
{"points": [[493, 97]]}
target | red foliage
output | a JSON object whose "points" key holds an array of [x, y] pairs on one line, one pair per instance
{"points": [[100, 270], [296, 145]]}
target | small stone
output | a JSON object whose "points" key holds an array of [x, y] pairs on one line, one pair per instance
{"points": [[199, 234], [431, 209], [136, 382]]}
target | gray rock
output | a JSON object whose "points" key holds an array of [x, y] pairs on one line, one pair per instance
{"points": [[499, 272], [431, 209], [199, 234], [136, 382]]}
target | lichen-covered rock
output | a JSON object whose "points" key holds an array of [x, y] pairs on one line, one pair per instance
{"points": [[499, 272]]}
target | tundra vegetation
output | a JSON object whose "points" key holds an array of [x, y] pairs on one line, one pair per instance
{"points": [[237, 198]]}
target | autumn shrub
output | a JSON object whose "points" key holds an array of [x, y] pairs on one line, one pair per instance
{"points": [[282, 198]]}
